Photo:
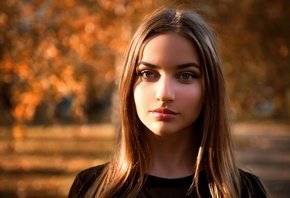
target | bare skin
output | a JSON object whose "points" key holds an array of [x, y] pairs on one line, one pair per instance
{"points": [[172, 156], [169, 98]]}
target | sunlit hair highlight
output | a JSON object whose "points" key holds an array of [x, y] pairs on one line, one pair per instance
{"points": [[129, 164]]}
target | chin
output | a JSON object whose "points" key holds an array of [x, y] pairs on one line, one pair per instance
{"points": [[163, 131]]}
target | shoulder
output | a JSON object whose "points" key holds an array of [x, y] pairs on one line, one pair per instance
{"points": [[91, 172], [252, 185], [84, 180]]}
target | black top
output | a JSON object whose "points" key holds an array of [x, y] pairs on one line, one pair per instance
{"points": [[156, 187]]}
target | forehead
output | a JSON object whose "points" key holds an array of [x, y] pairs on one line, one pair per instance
{"points": [[169, 48]]}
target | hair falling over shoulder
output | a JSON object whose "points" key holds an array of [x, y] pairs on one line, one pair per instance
{"points": [[130, 161]]}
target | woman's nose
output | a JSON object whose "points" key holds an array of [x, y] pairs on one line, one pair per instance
{"points": [[165, 90]]}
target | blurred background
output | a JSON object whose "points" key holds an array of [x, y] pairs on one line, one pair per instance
{"points": [[58, 65]]}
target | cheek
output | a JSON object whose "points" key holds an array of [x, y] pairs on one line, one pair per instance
{"points": [[194, 94], [136, 98], [140, 97], [191, 101]]}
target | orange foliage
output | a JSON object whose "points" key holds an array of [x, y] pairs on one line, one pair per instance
{"points": [[52, 50], [60, 49]]}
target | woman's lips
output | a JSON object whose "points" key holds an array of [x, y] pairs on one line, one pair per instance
{"points": [[163, 114]]}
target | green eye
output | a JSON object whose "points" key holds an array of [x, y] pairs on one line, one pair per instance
{"points": [[187, 76], [147, 74]]}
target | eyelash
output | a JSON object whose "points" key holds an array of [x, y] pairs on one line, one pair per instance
{"points": [[144, 73], [192, 75]]}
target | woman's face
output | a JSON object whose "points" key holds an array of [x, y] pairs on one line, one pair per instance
{"points": [[169, 92]]}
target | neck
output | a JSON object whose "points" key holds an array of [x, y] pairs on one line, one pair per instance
{"points": [[173, 156]]}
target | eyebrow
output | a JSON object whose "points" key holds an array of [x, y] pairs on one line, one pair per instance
{"points": [[182, 66]]}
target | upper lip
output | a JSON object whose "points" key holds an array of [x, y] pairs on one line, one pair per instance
{"points": [[164, 111]]}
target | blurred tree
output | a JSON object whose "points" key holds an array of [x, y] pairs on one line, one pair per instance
{"points": [[58, 59], [253, 41], [55, 51], [255, 49]]}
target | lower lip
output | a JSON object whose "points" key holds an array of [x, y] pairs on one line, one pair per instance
{"points": [[163, 116]]}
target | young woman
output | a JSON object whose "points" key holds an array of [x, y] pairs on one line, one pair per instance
{"points": [[175, 136]]}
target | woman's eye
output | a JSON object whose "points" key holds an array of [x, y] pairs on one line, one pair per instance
{"points": [[186, 76], [147, 74]]}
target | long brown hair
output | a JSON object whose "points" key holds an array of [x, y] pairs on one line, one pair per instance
{"points": [[125, 174]]}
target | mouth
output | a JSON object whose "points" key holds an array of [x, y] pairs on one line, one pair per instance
{"points": [[164, 111], [164, 114]]}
